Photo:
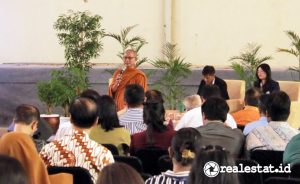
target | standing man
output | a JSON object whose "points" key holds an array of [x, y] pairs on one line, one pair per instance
{"points": [[125, 76], [209, 78]]}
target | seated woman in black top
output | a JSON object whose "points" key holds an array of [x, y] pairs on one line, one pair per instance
{"points": [[264, 80]]}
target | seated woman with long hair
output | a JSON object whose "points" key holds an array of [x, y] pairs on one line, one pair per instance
{"points": [[202, 172], [157, 133], [109, 130], [264, 80], [182, 153]]}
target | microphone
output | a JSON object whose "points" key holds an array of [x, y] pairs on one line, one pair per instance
{"points": [[120, 75], [123, 69]]}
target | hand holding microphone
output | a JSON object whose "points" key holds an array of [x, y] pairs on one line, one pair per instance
{"points": [[119, 79]]}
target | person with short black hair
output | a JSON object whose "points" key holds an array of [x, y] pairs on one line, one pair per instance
{"points": [[200, 167], [263, 120], [209, 78], [87, 153], [250, 112], [278, 132], [182, 152], [264, 80], [132, 118], [215, 132], [109, 130], [11, 171]]}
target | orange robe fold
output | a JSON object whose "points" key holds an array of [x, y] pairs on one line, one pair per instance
{"points": [[130, 76]]}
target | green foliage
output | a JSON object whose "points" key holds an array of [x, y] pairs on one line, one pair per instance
{"points": [[294, 50], [246, 63], [135, 43], [175, 70], [80, 33]]}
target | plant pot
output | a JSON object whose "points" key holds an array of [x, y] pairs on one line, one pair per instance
{"points": [[52, 120]]}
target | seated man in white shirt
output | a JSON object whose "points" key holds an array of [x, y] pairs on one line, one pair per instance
{"points": [[193, 115]]}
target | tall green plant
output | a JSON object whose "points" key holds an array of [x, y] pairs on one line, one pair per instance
{"points": [[80, 33], [135, 43], [294, 50], [246, 63], [175, 70]]}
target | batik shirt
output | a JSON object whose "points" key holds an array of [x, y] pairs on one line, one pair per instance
{"points": [[77, 149]]}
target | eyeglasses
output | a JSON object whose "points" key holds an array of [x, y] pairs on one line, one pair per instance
{"points": [[129, 58]]}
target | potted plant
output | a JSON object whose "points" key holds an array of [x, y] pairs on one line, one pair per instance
{"points": [[295, 50], [246, 63], [80, 33], [176, 69]]}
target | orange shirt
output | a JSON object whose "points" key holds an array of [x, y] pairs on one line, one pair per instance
{"points": [[130, 76], [247, 115]]}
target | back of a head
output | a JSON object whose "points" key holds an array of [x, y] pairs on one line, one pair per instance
{"points": [[192, 102], [208, 70], [91, 94], [154, 95], [215, 108], [11, 171], [26, 114], [108, 118], [117, 173], [262, 103], [252, 97], [84, 112], [134, 95], [221, 157], [210, 91], [278, 107], [184, 145]]}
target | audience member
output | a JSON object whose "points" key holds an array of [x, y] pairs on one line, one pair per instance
{"points": [[215, 132], [157, 133], [214, 91], [193, 115], [264, 80], [278, 132], [215, 154], [263, 120], [65, 126], [76, 148], [250, 112], [118, 173], [209, 78], [109, 130], [11, 171], [132, 118], [21, 147], [182, 153], [26, 120], [126, 76]]}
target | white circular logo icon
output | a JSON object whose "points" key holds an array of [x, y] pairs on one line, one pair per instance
{"points": [[211, 169]]}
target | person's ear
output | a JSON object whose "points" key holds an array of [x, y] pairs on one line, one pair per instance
{"points": [[34, 126], [171, 153]]}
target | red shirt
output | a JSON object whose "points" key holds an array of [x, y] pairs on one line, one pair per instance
{"points": [[160, 139]]}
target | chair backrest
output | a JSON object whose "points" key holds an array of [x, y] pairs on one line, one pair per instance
{"points": [[235, 88], [112, 148], [295, 170], [249, 178], [80, 175], [282, 180], [133, 161], [149, 157], [292, 88]]}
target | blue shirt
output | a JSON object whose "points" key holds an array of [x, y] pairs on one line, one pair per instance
{"points": [[250, 126]]}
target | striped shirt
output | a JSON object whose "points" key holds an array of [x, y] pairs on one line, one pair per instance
{"points": [[133, 121], [169, 177]]}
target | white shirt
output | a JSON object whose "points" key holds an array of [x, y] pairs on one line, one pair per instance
{"points": [[230, 121], [192, 118]]}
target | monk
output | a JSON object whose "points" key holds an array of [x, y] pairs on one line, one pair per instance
{"points": [[125, 76]]}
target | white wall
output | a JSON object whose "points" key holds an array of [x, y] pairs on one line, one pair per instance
{"points": [[207, 31]]}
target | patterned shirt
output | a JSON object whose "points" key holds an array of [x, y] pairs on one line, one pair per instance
{"points": [[77, 149], [273, 136], [133, 120], [169, 177]]}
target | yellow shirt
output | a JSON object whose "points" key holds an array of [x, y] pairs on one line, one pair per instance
{"points": [[117, 136]]}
